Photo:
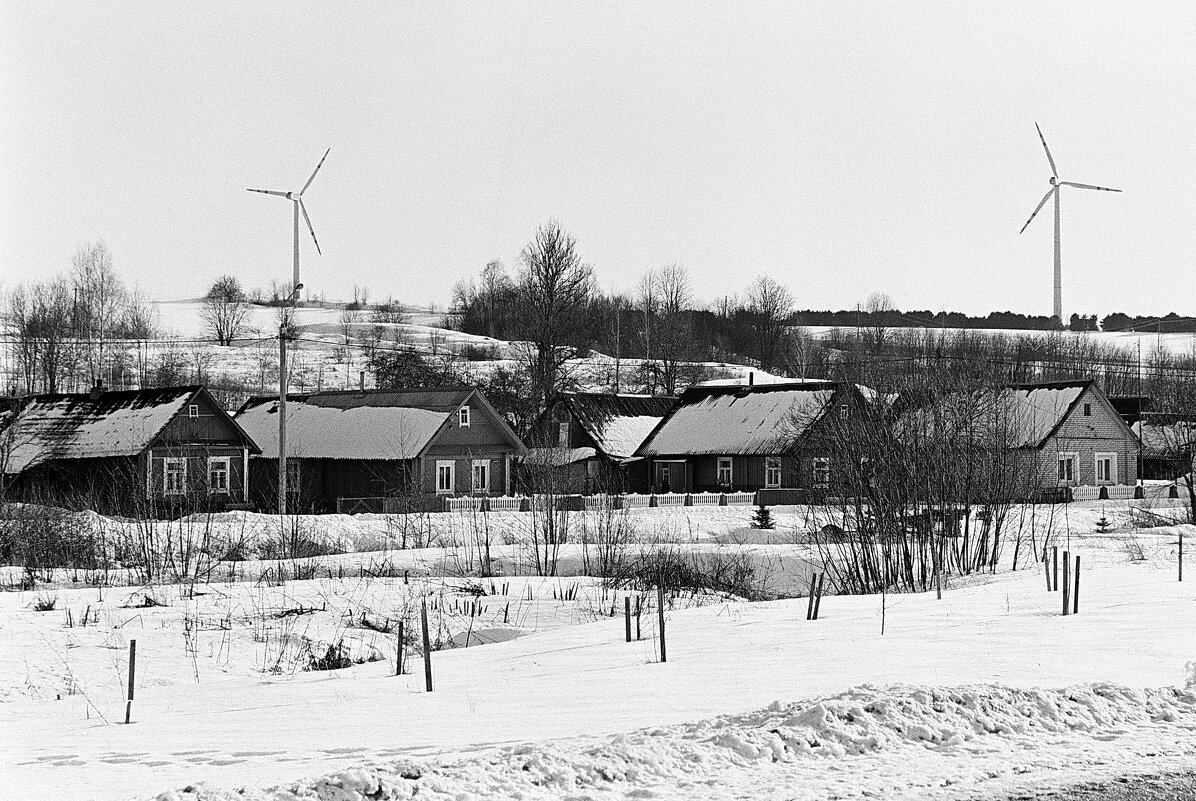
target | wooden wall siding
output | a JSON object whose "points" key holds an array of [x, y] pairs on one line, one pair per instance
{"points": [[747, 474], [1102, 432], [482, 434], [210, 426], [463, 472], [197, 469]]}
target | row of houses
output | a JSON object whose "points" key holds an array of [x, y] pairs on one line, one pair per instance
{"points": [[176, 448]]}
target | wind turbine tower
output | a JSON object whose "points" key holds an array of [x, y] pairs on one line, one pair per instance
{"points": [[1056, 186]]}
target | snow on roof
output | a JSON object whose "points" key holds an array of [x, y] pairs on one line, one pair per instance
{"points": [[1165, 439], [558, 457], [739, 420], [353, 425], [618, 424], [1037, 409], [76, 427]]}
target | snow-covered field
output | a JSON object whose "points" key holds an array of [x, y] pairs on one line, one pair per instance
{"points": [[986, 693]]}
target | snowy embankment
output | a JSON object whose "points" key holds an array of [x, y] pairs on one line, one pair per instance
{"points": [[756, 748]]}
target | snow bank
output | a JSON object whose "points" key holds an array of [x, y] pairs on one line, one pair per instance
{"points": [[860, 721]]}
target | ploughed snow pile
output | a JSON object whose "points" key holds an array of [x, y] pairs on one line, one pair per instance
{"points": [[860, 721]]}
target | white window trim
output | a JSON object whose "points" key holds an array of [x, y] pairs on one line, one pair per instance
{"points": [[1074, 457], [822, 460], [772, 464], [228, 475], [452, 468], [193, 411], [473, 476], [1112, 457], [729, 464], [463, 417], [167, 462]]}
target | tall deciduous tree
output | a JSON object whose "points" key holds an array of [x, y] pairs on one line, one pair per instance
{"points": [[555, 294], [769, 305], [225, 309]]}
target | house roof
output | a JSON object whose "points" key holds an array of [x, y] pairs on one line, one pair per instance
{"points": [[370, 425], [1161, 440], [1038, 410], [618, 424], [739, 420], [74, 426]]}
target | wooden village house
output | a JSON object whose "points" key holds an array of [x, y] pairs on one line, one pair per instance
{"points": [[381, 450], [590, 440], [137, 451], [746, 438]]}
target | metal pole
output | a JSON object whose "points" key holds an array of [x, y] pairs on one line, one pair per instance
{"points": [[282, 419], [295, 282]]}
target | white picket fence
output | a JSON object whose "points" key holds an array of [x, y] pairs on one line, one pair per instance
{"points": [[1114, 492], [506, 503], [635, 500], [741, 498], [706, 498], [670, 499], [500, 503]]}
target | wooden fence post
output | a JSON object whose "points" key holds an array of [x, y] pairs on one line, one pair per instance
{"points": [[1055, 568], [1181, 556], [132, 673], [627, 617], [818, 596], [399, 654], [427, 646], [660, 603], [1046, 566], [1075, 593], [1067, 558], [639, 608], [810, 602]]}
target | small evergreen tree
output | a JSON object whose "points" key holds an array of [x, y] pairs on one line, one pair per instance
{"points": [[762, 518], [1103, 525]]}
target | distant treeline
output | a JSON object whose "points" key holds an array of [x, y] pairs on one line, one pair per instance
{"points": [[924, 318]]}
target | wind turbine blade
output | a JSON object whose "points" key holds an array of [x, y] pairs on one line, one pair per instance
{"points": [[268, 192], [307, 219], [316, 170], [1054, 172], [1038, 208], [1088, 186]]}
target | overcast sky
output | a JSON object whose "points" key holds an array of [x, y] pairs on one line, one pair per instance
{"points": [[843, 148]]}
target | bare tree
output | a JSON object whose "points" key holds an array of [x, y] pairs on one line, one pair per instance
{"points": [[556, 290], [225, 309], [769, 305], [674, 338], [99, 301], [879, 305]]}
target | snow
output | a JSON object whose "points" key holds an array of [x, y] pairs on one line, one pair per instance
{"points": [[66, 427], [985, 693], [329, 432], [622, 436], [748, 422]]}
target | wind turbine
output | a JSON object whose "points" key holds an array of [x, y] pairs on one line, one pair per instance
{"points": [[1056, 184], [297, 199]]}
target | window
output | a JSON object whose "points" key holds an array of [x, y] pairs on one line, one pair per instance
{"points": [[822, 472], [1106, 468], [772, 471], [174, 476], [218, 474], [562, 438], [481, 476], [445, 479], [463, 417], [1087, 409], [843, 411], [292, 477], [193, 411], [724, 471], [1067, 468]]}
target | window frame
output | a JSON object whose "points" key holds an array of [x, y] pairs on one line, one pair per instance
{"points": [[167, 463], [451, 466], [772, 464], [821, 467], [228, 475], [484, 489], [1072, 458], [724, 464], [193, 411], [1112, 457], [1087, 409], [463, 417]]}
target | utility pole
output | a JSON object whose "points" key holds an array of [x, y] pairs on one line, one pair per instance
{"points": [[282, 419]]}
